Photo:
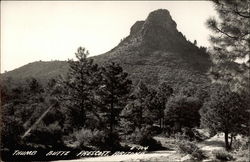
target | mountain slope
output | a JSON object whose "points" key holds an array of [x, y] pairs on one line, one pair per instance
{"points": [[41, 70], [155, 51]]}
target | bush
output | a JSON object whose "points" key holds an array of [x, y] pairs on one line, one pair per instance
{"points": [[143, 137], [11, 131], [240, 144], [136, 136], [97, 139], [188, 133], [87, 137], [191, 148], [223, 155], [151, 143], [39, 136]]}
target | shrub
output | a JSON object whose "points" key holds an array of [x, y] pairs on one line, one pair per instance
{"points": [[188, 133], [87, 137], [39, 136], [198, 154], [151, 143], [143, 137], [223, 155], [240, 144], [242, 155], [191, 148], [97, 139], [136, 136], [11, 131], [179, 136]]}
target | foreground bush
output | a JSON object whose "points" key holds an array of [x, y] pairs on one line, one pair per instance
{"points": [[191, 148], [143, 137], [240, 144], [222, 155], [46, 136], [96, 139]]}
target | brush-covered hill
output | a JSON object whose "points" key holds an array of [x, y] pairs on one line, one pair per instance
{"points": [[155, 51], [41, 70]]}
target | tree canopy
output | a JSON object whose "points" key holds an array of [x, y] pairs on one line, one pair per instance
{"points": [[231, 43], [225, 112]]}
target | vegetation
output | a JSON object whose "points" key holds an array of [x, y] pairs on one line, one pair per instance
{"points": [[79, 88], [223, 155], [100, 102], [98, 107], [191, 148], [144, 137], [231, 42], [182, 111], [225, 112]]}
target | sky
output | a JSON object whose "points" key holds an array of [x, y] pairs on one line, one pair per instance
{"points": [[53, 30]]}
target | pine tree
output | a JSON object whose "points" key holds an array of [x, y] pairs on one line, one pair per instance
{"points": [[141, 110], [79, 87], [141, 93], [113, 94], [225, 112], [231, 42], [163, 93], [182, 111], [131, 116]]}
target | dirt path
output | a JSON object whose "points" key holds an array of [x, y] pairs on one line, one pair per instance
{"points": [[214, 143]]}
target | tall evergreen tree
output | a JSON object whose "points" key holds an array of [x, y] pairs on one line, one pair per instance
{"points": [[142, 109], [141, 93], [231, 43], [163, 93], [79, 86], [113, 93]]}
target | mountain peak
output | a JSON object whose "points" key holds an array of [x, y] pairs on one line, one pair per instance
{"points": [[160, 17], [159, 31]]}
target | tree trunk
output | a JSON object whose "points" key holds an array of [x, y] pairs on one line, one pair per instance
{"points": [[140, 120], [226, 141], [163, 123], [111, 118], [177, 126], [231, 138], [82, 109]]}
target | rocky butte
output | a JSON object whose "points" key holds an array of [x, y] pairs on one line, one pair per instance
{"points": [[155, 51]]}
